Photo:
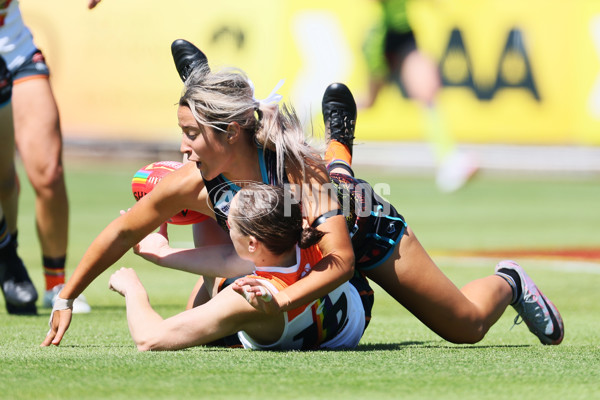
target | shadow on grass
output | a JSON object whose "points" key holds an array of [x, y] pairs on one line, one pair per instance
{"points": [[431, 345], [94, 346], [389, 346]]}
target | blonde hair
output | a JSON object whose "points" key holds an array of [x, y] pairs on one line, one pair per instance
{"points": [[219, 98]]}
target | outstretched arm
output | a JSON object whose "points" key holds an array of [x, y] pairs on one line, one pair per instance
{"points": [[225, 314], [218, 260], [179, 190]]}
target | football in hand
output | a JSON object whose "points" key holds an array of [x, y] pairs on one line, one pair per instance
{"points": [[148, 177]]}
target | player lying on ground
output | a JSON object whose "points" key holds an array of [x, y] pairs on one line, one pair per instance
{"points": [[266, 229]]}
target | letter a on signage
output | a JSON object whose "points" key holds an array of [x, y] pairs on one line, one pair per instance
{"points": [[455, 65], [520, 77]]}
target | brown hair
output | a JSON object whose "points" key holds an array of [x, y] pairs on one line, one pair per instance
{"points": [[270, 214]]}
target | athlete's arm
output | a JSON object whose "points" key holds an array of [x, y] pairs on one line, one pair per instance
{"points": [[337, 264], [225, 314], [177, 191], [217, 260]]}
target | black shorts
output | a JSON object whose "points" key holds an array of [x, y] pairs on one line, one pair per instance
{"points": [[361, 284], [34, 65], [5, 83], [398, 45], [374, 224]]}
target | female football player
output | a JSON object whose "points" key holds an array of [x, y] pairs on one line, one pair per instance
{"points": [[266, 229], [229, 137]]}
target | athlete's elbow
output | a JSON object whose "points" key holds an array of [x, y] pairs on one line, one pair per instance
{"points": [[143, 347], [149, 343], [145, 344], [151, 346], [348, 266], [165, 340]]}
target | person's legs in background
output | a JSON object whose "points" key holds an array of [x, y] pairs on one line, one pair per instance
{"points": [[421, 80], [39, 142], [16, 286]]}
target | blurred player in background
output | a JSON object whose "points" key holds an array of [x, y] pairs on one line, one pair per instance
{"points": [[38, 139], [282, 251], [392, 55]]}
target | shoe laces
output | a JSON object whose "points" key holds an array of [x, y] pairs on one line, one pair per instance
{"points": [[529, 297], [342, 124], [518, 321]]}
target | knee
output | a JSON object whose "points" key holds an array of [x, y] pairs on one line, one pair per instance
{"points": [[49, 180], [470, 331]]}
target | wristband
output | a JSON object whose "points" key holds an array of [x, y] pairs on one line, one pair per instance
{"points": [[60, 304]]}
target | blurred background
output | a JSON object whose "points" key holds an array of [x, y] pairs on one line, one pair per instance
{"points": [[522, 75]]}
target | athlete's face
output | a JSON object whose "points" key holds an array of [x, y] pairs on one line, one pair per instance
{"points": [[202, 144]]}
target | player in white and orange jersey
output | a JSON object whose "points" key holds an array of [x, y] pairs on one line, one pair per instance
{"points": [[266, 228]]}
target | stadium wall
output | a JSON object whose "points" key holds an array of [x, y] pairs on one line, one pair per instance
{"points": [[514, 72]]}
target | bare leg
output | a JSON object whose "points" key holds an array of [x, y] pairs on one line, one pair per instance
{"points": [[200, 295], [39, 141], [459, 316]]}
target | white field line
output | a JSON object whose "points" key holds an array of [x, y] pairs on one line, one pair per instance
{"points": [[546, 263]]}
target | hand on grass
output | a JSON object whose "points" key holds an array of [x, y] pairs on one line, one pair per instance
{"points": [[59, 323]]}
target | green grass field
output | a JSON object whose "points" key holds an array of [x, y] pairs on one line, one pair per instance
{"points": [[397, 358]]}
